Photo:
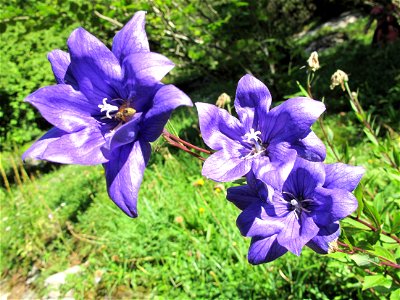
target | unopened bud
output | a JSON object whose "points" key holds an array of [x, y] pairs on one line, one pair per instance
{"points": [[313, 61], [339, 78], [223, 100]]}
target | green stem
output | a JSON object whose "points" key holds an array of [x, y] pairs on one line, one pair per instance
{"points": [[361, 113]]}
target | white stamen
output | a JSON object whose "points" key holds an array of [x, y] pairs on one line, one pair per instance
{"points": [[294, 202], [252, 136], [107, 108]]}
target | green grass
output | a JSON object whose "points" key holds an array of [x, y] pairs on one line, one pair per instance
{"points": [[183, 245]]}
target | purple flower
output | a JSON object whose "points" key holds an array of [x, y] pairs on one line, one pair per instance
{"points": [[305, 211], [107, 107], [262, 140]]}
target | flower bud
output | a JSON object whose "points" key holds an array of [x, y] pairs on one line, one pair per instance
{"points": [[313, 61], [223, 100], [339, 78]]}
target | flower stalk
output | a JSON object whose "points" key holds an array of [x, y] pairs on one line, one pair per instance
{"points": [[310, 78], [177, 142], [360, 113], [392, 236], [353, 250]]}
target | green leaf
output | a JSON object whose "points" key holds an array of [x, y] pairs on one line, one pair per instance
{"points": [[302, 89], [329, 133], [396, 156], [383, 252], [396, 223], [376, 280], [372, 214], [371, 137], [345, 239], [395, 295], [340, 256], [362, 259], [374, 238], [358, 193]]}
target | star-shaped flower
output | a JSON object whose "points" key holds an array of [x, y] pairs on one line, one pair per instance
{"points": [[262, 140], [305, 211], [107, 107]]}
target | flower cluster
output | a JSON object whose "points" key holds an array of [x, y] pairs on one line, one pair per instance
{"points": [[107, 106], [292, 198]]}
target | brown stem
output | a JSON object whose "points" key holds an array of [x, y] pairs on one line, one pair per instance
{"points": [[383, 262], [376, 229], [179, 140], [168, 138]]}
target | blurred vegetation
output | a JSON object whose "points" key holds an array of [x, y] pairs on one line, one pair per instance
{"points": [[208, 40]]}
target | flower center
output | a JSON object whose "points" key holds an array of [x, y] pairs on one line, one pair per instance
{"points": [[298, 204], [253, 138], [122, 113]]}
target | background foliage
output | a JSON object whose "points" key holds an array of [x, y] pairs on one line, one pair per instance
{"points": [[209, 41]]}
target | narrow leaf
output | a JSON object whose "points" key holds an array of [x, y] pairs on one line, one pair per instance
{"points": [[371, 137], [302, 89], [358, 193], [372, 214]]}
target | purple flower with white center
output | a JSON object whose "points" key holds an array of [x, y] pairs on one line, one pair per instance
{"points": [[107, 107], [262, 140], [305, 211]]}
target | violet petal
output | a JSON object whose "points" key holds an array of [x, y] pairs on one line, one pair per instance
{"points": [[342, 176], [132, 38], [165, 101], [291, 120], [218, 128], [298, 231], [63, 107], [310, 148], [263, 250], [81, 147], [252, 101], [225, 165], [60, 62], [145, 69], [125, 134], [124, 174], [304, 178], [331, 205], [39, 147], [275, 168], [326, 235], [254, 221], [242, 196], [94, 66]]}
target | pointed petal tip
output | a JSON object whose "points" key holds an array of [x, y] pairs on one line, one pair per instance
{"points": [[130, 213]]}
